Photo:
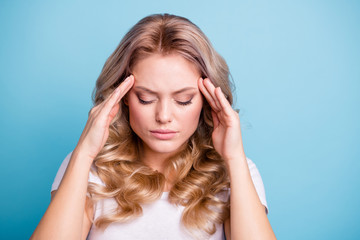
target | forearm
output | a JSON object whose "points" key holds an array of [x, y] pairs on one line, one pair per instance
{"points": [[248, 219], [64, 216]]}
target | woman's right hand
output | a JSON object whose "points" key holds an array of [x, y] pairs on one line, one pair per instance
{"points": [[96, 130]]}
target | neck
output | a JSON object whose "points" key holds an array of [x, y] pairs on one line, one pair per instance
{"points": [[154, 160], [158, 161]]}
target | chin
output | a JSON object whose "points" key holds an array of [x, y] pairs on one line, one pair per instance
{"points": [[164, 146]]}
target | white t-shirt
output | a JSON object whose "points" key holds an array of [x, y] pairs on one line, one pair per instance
{"points": [[160, 219]]}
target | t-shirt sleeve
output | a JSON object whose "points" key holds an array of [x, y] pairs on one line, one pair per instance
{"points": [[60, 174], [258, 183]]}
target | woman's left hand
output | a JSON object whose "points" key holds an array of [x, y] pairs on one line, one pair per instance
{"points": [[248, 219], [227, 132]]}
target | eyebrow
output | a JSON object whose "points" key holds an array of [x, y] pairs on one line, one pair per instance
{"points": [[176, 92]]}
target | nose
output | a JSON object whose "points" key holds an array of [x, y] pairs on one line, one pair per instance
{"points": [[163, 112]]}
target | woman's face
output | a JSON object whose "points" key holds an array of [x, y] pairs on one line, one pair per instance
{"points": [[165, 102]]}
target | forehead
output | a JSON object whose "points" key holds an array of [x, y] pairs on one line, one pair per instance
{"points": [[165, 72]]}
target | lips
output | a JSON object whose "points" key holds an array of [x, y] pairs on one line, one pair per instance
{"points": [[163, 134]]}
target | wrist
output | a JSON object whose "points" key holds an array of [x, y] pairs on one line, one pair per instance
{"points": [[83, 155], [235, 156], [236, 162]]}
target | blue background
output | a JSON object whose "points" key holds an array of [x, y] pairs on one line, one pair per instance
{"points": [[296, 65]]}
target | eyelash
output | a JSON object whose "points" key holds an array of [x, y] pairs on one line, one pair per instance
{"points": [[144, 102], [181, 103], [185, 103]]}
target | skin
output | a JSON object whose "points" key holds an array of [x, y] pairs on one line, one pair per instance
{"points": [[165, 95], [160, 108], [248, 219], [67, 214]]}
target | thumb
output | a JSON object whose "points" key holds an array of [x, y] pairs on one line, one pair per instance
{"points": [[114, 110], [215, 119]]}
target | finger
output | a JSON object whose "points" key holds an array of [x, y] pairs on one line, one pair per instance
{"points": [[113, 98], [124, 87], [127, 88], [103, 109], [211, 89], [207, 95], [224, 103], [119, 92]]}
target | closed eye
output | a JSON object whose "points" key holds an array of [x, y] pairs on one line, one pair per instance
{"points": [[179, 102], [144, 102], [185, 103]]}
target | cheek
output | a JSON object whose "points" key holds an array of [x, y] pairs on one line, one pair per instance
{"points": [[136, 116], [192, 116]]}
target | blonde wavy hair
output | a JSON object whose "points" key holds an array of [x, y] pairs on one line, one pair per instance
{"points": [[198, 173]]}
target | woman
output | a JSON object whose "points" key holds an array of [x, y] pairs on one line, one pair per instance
{"points": [[160, 149]]}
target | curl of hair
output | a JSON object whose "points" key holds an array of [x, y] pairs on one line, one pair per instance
{"points": [[198, 173]]}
